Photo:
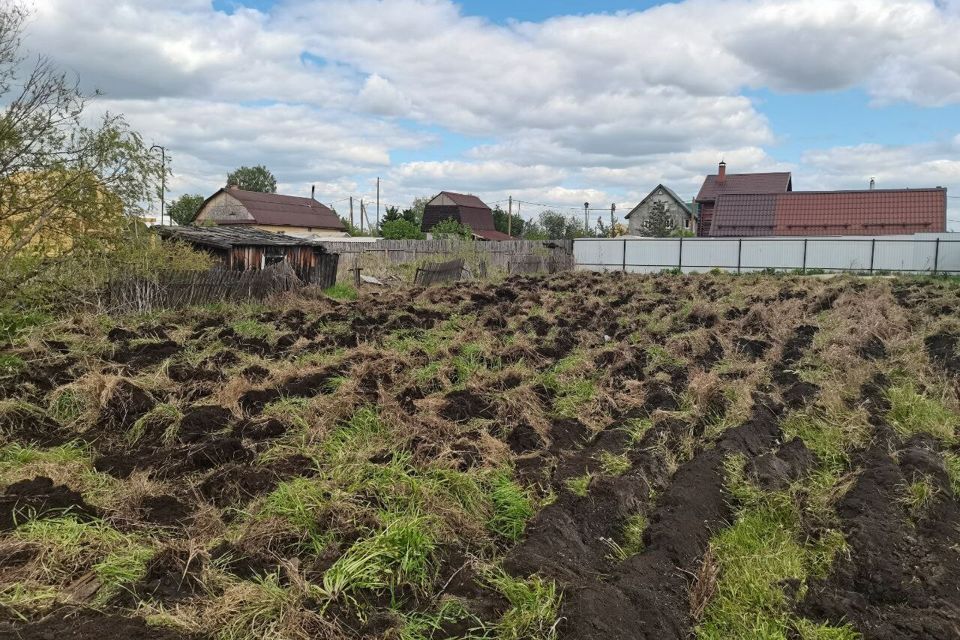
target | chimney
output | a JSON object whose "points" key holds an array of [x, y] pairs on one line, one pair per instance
{"points": [[722, 173], [313, 192], [873, 184]]}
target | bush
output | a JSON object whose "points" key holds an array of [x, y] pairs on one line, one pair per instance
{"points": [[400, 230], [450, 228]]}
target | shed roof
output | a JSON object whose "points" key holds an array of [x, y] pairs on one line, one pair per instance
{"points": [[464, 200], [280, 210], [780, 182], [221, 237], [864, 212]]}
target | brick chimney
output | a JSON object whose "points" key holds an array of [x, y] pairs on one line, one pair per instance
{"points": [[722, 173]]}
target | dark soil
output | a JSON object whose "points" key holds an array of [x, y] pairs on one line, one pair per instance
{"points": [[40, 498], [943, 348], [200, 422], [165, 510], [80, 624], [901, 577]]}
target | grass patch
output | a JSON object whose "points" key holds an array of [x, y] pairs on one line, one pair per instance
{"points": [[572, 387], [912, 412], [69, 405], [250, 328], [11, 365], [512, 507], [534, 608], [612, 464], [290, 410], [300, 502], [163, 416], [341, 291], [918, 497], [951, 461], [580, 485], [399, 554]]}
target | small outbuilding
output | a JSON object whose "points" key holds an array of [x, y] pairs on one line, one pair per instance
{"points": [[248, 249], [468, 210]]}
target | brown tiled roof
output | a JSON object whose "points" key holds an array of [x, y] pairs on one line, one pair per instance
{"points": [[285, 211], [464, 200], [744, 183], [873, 212], [744, 214]]}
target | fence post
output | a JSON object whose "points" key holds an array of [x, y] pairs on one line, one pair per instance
{"points": [[936, 256], [739, 253], [624, 256], [803, 269], [680, 255], [873, 250]]}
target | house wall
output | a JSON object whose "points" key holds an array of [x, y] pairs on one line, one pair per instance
{"points": [[640, 214], [442, 200], [302, 232], [706, 216], [255, 257], [223, 208]]}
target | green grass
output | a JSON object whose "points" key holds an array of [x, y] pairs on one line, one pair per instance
{"points": [[399, 554], [512, 507], [164, 416], [951, 461], [250, 328], [534, 608], [612, 464], [341, 291], [68, 405], [356, 436], [300, 502], [637, 428], [426, 626], [11, 365], [259, 609], [830, 437], [918, 497], [632, 532], [912, 412], [580, 485], [572, 387], [290, 410]]}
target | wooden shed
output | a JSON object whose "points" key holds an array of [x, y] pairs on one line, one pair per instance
{"points": [[248, 249]]}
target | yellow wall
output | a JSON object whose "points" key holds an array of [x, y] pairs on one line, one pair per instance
{"points": [[301, 231]]}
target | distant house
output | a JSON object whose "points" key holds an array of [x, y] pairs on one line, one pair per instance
{"points": [[765, 204], [468, 210], [681, 212], [721, 183], [291, 215], [245, 248]]}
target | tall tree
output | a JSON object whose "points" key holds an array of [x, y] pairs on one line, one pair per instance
{"points": [[184, 209], [257, 178], [659, 222], [500, 218], [66, 185]]}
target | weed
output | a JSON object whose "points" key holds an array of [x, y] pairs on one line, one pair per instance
{"points": [[341, 291], [399, 554], [951, 461], [918, 496], [631, 534], [17, 597], [11, 365], [250, 328], [637, 428], [512, 507], [300, 502], [913, 412], [534, 608], [612, 464], [258, 609], [290, 410], [579, 485], [69, 405], [356, 435], [830, 437]]}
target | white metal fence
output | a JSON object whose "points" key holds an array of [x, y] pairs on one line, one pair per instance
{"points": [[920, 253]]}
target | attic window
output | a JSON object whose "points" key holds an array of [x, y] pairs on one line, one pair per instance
{"points": [[659, 192]]}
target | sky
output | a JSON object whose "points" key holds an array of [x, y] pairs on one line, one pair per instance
{"points": [[553, 103]]}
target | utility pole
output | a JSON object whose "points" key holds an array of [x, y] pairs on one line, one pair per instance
{"points": [[361, 216], [613, 209], [586, 217], [378, 202], [163, 179], [351, 211], [510, 216]]}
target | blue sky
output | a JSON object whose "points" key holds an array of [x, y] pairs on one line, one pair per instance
{"points": [[552, 102]]}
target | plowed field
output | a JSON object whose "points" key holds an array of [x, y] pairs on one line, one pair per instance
{"points": [[580, 456]]}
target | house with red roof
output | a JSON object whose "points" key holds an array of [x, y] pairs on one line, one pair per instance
{"points": [[765, 204], [291, 215], [468, 210]]}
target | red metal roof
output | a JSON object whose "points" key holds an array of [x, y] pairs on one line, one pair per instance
{"points": [[744, 183], [742, 214], [280, 210], [873, 212], [820, 213]]}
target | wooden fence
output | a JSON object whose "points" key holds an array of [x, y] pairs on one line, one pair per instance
{"points": [[175, 289], [381, 258], [437, 272]]}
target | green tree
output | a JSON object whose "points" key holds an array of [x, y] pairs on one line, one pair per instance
{"points": [[500, 218], [256, 178], [451, 228], [184, 209], [67, 181], [400, 229], [659, 222]]}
